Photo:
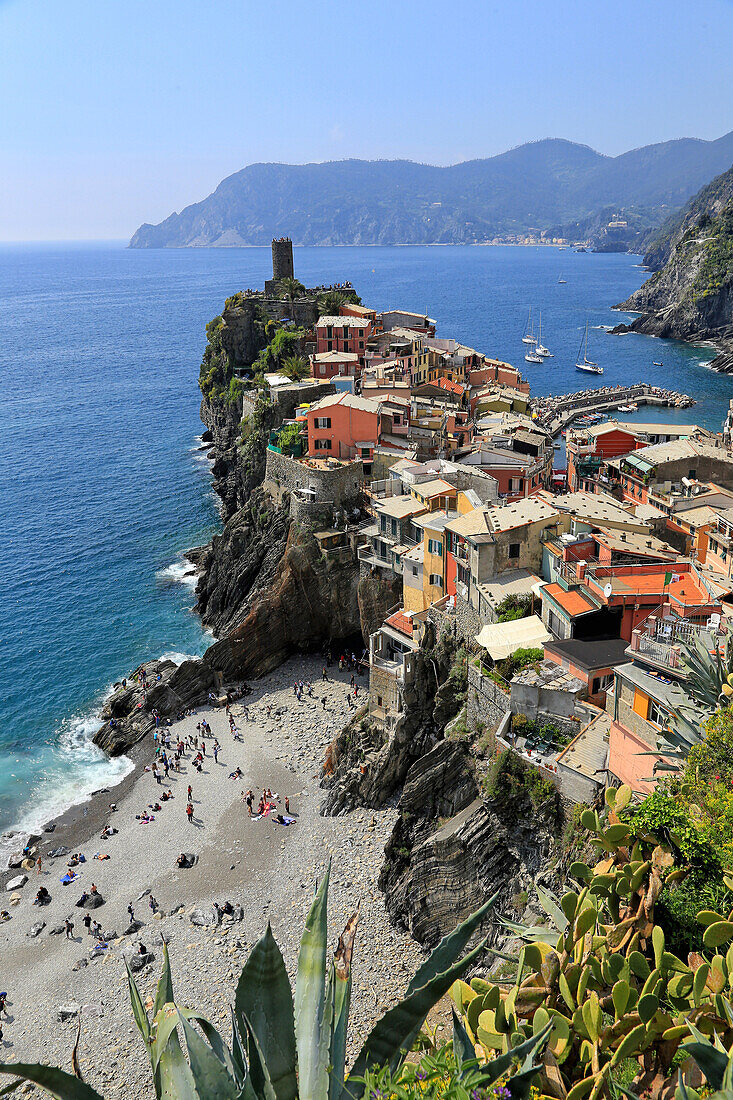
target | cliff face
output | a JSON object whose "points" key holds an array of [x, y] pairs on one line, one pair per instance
{"points": [[690, 295], [451, 850]]}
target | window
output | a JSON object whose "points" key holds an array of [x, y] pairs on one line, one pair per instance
{"points": [[395, 528], [329, 332], [514, 549], [414, 570], [361, 345], [435, 547], [656, 714], [436, 580], [379, 700], [322, 444], [323, 368], [383, 524], [365, 452], [329, 345], [346, 332], [323, 422], [692, 473], [554, 623]]}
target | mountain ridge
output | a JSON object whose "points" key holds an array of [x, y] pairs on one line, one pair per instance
{"points": [[551, 183]]}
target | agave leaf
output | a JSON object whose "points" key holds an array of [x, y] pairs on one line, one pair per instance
{"points": [[138, 1009], [259, 1075], [449, 948], [341, 1006], [400, 1026], [164, 992], [550, 905], [56, 1081], [209, 1073], [264, 998], [462, 1045], [176, 1079], [310, 998], [523, 1078]]}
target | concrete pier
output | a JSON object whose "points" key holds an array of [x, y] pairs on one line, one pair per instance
{"points": [[555, 413]]}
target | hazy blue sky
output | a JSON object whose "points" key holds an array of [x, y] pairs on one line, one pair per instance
{"points": [[113, 113]]}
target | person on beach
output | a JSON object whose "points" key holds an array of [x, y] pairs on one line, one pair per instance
{"points": [[38, 866], [87, 922], [131, 912], [153, 904], [69, 928], [287, 805], [250, 800], [189, 813], [190, 793]]}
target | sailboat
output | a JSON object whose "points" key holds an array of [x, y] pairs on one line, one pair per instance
{"points": [[586, 364], [540, 349], [561, 280], [533, 355], [528, 337]]}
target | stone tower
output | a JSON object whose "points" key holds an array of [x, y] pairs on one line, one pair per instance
{"points": [[282, 259]]}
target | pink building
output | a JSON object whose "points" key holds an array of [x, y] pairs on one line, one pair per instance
{"points": [[343, 334], [326, 364]]}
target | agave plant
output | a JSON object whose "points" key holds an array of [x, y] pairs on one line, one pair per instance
{"points": [[709, 684], [284, 1046]]}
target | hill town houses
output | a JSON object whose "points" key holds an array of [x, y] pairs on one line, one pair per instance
{"points": [[571, 589]]}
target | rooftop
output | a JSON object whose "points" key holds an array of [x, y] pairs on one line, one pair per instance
{"points": [[342, 322], [591, 654], [399, 507], [435, 488], [530, 510], [595, 508], [514, 582], [634, 542], [574, 601], [588, 752], [336, 357]]}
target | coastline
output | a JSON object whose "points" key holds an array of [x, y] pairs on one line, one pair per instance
{"points": [[266, 869]]}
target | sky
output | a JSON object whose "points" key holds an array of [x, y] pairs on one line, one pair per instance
{"points": [[113, 114]]}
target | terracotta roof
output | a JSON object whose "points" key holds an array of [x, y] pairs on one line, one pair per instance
{"points": [[573, 602], [400, 621]]}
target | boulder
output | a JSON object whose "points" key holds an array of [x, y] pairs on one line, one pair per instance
{"points": [[68, 1012], [188, 860], [203, 917], [133, 927], [17, 883], [135, 960], [15, 860], [57, 853], [93, 901], [80, 964], [36, 929]]}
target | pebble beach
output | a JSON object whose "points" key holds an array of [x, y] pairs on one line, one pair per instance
{"points": [[266, 869]]}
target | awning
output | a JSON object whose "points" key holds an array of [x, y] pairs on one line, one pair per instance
{"points": [[501, 639]]}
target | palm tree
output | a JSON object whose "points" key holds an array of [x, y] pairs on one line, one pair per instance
{"points": [[330, 302], [295, 367], [292, 289]]}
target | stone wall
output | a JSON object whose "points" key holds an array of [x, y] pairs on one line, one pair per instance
{"points": [[486, 703], [468, 620], [333, 486]]}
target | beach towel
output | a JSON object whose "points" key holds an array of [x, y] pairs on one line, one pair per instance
{"points": [[286, 821], [269, 807], [69, 877]]}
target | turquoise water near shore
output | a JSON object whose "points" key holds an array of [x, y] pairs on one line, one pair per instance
{"points": [[101, 482]]}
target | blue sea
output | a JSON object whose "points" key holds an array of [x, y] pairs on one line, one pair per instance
{"points": [[103, 484]]}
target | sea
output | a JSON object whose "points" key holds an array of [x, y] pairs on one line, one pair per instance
{"points": [[103, 482]]}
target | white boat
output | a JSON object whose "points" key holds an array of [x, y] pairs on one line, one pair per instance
{"points": [[540, 349], [532, 356], [561, 280], [585, 364], [528, 337]]}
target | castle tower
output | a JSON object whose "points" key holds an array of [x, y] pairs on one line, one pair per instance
{"points": [[282, 259]]}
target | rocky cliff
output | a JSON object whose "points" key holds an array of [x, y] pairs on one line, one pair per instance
{"points": [[690, 295]]}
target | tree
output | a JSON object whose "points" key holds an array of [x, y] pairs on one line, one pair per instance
{"points": [[330, 302], [295, 367], [292, 289]]}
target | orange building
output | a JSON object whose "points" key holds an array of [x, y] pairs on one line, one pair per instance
{"points": [[344, 426]]}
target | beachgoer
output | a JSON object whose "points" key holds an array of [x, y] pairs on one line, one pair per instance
{"points": [[189, 813], [131, 912], [38, 866], [287, 805], [87, 922], [190, 793], [69, 928]]}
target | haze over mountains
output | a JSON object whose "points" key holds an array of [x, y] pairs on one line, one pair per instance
{"points": [[554, 185]]}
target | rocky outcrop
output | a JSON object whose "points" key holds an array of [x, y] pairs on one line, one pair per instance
{"points": [[367, 764], [451, 849], [241, 563], [308, 598], [376, 596], [690, 295]]}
